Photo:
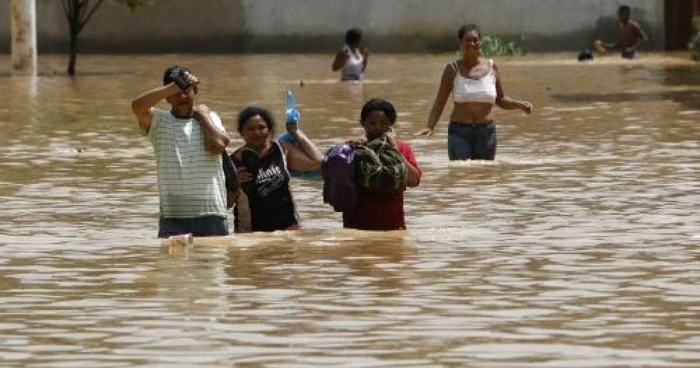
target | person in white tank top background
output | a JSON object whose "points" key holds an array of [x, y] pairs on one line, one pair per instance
{"points": [[475, 85], [352, 59]]}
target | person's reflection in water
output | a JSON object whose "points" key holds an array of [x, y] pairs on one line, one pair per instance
{"points": [[343, 95], [253, 266], [316, 263], [380, 258]]}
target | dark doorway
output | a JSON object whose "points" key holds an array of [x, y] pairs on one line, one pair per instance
{"points": [[678, 17]]}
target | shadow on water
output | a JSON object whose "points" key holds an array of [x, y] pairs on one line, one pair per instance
{"points": [[671, 76], [359, 257], [690, 99], [677, 76]]}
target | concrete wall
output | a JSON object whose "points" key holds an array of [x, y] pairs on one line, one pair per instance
{"points": [[319, 25]]}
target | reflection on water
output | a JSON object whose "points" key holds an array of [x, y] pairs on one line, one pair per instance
{"points": [[577, 247]]}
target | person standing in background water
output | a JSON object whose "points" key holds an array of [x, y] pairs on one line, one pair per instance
{"points": [[352, 59], [475, 85], [630, 35]]}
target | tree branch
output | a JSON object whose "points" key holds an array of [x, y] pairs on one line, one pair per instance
{"points": [[73, 10], [74, 17], [92, 11], [82, 7], [65, 7]]}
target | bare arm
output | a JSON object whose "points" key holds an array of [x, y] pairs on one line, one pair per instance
{"points": [[142, 104], [505, 102], [642, 34], [231, 197], [641, 37], [446, 84], [340, 59], [413, 177], [215, 139], [365, 58], [306, 158], [413, 174]]}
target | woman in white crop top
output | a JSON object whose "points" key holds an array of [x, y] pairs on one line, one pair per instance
{"points": [[352, 59], [475, 86]]}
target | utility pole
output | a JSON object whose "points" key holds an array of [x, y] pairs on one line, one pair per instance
{"points": [[23, 21]]}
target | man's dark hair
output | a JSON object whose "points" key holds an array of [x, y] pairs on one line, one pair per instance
{"points": [[624, 8], [167, 78], [466, 29], [251, 111], [378, 104], [353, 36]]}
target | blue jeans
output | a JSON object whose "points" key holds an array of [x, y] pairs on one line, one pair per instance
{"points": [[197, 226], [471, 141]]}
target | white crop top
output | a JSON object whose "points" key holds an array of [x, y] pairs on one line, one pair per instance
{"points": [[352, 70], [474, 90]]}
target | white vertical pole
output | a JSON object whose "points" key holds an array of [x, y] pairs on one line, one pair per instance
{"points": [[24, 51]]}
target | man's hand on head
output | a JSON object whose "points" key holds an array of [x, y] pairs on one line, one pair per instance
{"points": [[190, 78]]}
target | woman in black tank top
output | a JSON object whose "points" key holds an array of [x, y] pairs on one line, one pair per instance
{"points": [[262, 168]]}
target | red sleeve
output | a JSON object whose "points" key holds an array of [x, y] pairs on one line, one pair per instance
{"points": [[407, 152]]}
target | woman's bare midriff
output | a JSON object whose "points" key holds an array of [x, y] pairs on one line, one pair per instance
{"points": [[471, 113]]}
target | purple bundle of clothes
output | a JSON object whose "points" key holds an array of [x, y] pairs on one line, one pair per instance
{"points": [[338, 170]]}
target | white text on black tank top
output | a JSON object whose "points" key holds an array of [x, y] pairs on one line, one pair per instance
{"points": [[269, 180]]}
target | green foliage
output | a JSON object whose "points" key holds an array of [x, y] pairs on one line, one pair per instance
{"points": [[694, 45], [495, 46], [695, 48]]}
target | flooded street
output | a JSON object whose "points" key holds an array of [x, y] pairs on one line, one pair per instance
{"points": [[578, 247]]}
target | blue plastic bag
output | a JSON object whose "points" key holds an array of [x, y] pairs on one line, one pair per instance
{"points": [[293, 116]]}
